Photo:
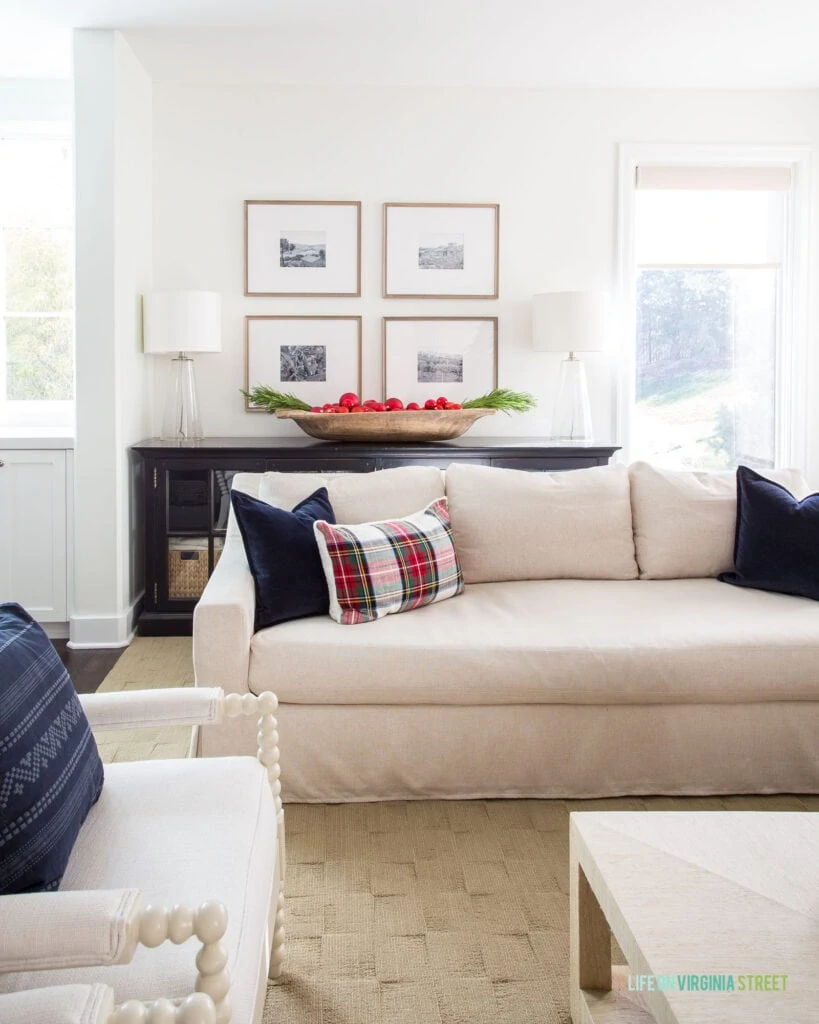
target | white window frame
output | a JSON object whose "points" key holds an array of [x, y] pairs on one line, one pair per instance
{"points": [[34, 415], [792, 334]]}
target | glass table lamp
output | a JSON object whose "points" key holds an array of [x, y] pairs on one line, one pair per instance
{"points": [[571, 322], [181, 322]]}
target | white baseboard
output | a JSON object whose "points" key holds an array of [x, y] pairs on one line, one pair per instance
{"points": [[56, 630], [97, 645], [89, 631]]}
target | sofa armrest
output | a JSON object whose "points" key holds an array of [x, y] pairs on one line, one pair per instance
{"points": [[140, 709], [223, 623], [58, 1004], [52, 930]]}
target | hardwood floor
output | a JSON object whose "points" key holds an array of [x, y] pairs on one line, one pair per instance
{"points": [[87, 668]]}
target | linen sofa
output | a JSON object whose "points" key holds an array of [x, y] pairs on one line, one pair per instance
{"points": [[593, 652]]}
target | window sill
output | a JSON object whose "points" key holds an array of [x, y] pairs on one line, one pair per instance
{"points": [[33, 438]]}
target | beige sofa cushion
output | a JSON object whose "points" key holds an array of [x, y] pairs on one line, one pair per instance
{"points": [[555, 642], [508, 524], [684, 520], [355, 497]]}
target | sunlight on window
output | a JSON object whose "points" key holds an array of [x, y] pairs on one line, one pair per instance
{"points": [[36, 280], [707, 287]]}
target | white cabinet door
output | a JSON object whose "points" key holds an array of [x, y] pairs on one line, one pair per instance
{"points": [[33, 532]]}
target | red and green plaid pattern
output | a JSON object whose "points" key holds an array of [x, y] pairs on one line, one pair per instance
{"points": [[375, 569]]}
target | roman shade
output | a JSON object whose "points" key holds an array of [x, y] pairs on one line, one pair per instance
{"points": [[728, 179]]}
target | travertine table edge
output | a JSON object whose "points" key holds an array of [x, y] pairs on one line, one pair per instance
{"points": [[731, 890]]}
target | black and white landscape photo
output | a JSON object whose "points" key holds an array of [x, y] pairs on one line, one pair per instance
{"points": [[440, 367], [303, 249], [300, 363], [441, 252]]}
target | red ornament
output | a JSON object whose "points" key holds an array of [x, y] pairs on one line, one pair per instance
{"points": [[349, 399]]}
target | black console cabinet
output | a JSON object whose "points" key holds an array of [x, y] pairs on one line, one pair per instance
{"points": [[187, 484]]}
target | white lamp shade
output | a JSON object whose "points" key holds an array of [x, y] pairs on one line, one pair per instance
{"points": [[571, 321], [181, 322]]}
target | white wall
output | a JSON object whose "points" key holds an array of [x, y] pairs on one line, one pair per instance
{"points": [[133, 261], [113, 127], [35, 99], [547, 156]]}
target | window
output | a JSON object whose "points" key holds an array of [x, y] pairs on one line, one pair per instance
{"points": [[36, 279], [714, 345]]}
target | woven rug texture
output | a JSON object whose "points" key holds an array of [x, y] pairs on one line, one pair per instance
{"points": [[149, 663], [438, 912]]}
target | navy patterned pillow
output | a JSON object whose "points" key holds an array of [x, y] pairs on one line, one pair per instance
{"points": [[50, 770]]}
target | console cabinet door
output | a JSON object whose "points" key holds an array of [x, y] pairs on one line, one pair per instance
{"points": [[33, 532]]}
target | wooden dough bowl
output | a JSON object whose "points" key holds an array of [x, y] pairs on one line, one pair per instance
{"points": [[421, 425]]}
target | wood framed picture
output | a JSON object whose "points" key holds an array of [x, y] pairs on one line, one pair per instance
{"points": [[441, 250], [426, 357], [297, 247], [316, 358]]}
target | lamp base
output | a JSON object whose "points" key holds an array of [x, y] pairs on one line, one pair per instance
{"points": [[572, 415], [181, 421]]}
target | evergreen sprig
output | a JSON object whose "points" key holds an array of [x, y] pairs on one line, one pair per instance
{"points": [[271, 400], [503, 399]]}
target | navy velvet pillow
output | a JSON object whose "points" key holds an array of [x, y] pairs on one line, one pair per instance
{"points": [[50, 771], [283, 556], [777, 539]]}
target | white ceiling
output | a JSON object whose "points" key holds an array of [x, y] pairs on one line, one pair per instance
{"points": [[642, 43]]}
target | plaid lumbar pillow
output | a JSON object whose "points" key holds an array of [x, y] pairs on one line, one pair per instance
{"points": [[376, 569]]}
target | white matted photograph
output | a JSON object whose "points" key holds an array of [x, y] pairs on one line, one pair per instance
{"points": [[303, 249], [440, 367], [425, 357], [441, 250], [303, 362], [295, 247], [315, 358]]}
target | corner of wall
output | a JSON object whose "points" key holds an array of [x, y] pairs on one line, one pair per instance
{"points": [[114, 173]]}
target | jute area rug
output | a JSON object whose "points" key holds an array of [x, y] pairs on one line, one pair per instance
{"points": [[427, 912], [149, 663], [438, 912]]}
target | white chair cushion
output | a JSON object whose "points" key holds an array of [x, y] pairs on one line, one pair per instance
{"points": [[64, 1004], [555, 641], [684, 520], [508, 524], [183, 832]]}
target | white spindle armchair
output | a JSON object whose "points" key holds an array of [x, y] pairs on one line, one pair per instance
{"points": [[172, 851]]}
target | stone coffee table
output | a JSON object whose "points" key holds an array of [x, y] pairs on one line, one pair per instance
{"points": [[707, 895]]}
